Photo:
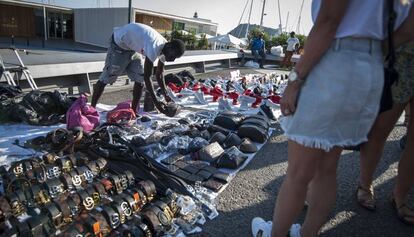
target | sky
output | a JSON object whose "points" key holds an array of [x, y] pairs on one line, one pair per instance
{"points": [[226, 13]]}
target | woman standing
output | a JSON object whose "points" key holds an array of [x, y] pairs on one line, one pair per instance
{"points": [[339, 79]]}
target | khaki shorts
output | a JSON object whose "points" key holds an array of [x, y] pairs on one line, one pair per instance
{"points": [[403, 90], [119, 62]]}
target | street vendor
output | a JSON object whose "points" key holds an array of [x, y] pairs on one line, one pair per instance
{"points": [[129, 44]]}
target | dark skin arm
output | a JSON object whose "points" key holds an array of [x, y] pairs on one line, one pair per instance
{"points": [[404, 33], [148, 67], [159, 75]]}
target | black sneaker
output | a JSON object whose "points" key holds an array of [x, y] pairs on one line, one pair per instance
{"points": [[267, 111]]}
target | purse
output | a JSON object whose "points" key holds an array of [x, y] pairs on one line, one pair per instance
{"points": [[390, 74]]}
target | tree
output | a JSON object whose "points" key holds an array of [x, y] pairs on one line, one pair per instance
{"points": [[202, 42]]}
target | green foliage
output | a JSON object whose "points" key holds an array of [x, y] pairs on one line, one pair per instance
{"points": [[281, 40], [202, 43], [190, 40]]}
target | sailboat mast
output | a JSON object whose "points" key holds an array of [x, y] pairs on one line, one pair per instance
{"points": [[250, 15], [286, 23], [261, 20], [241, 17], [300, 17], [280, 17]]}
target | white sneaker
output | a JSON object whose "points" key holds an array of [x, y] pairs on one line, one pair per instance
{"points": [[186, 92], [171, 94], [261, 228], [223, 104], [200, 98], [295, 230]]}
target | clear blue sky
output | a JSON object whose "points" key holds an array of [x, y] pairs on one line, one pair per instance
{"points": [[224, 12]]}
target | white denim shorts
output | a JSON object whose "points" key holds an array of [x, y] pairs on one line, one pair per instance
{"points": [[340, 99]]}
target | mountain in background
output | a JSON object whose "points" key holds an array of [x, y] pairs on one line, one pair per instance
{"points": [[240, 30]]}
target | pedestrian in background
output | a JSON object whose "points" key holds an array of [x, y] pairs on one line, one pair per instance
{"points": [[340, 79], [292, 45], [258, 48]]}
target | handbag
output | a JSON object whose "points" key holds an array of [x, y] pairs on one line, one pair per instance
{"points": [[82, 115], [390, 74]]}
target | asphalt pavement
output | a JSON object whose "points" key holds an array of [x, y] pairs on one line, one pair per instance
{"points": [[254, 190]]}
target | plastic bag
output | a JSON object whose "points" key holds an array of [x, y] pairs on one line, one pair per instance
{"points": [[276, 50], [82, 115], [252, 64]]}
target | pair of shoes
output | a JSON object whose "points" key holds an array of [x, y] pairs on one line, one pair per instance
{"points": [[267, 111], [262, 228], [365, 197], [405, 213]]}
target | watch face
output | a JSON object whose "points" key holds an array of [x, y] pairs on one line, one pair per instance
{"points": [[293, 76]]}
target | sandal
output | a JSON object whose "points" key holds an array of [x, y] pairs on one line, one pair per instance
{"points": [[405, 213], [365, 198]]}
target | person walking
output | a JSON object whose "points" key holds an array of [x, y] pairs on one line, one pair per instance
{"points": [[292, 44], [340, 79], [129, 44]]}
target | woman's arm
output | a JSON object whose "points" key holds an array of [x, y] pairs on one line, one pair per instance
{"points": [[321, 35], [319, 40]]}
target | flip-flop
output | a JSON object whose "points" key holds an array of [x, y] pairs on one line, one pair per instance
{"points": [[405, 214], [365, 198]]}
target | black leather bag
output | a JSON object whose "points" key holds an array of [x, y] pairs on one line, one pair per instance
{"points": [[211, 152], [255, 133], [228, 120], [390, 74], [254, 121], [231, 159]]}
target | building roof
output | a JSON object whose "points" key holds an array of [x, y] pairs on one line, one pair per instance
{"points": [[175, 17], [33, 4]]}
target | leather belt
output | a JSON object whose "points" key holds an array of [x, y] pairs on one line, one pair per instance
{"points": [[54, 214], [111, 216]]}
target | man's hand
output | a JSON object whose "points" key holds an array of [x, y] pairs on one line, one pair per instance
{"points": [[289, 100]]}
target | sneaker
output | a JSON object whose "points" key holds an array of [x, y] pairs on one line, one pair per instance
{"points": [[261, 228], [295, 230], [245, 101], [186, 92], [267, 111], [200, 98], [224, 105], [171, 94], [238, 87]]}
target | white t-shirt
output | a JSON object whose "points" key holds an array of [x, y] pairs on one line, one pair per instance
{"points": [[366, 18], [291, 43], [140, 38]]}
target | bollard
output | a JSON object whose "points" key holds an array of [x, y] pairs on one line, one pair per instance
{"points": [[12, 40]]}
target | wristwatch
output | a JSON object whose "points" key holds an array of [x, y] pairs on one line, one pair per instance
{"points": [[294, 77]]}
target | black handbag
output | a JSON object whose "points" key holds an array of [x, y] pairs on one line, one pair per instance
{"points": [[390, 74]]}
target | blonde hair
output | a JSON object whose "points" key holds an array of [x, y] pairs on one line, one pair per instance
{"points": [[405, 2]]}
